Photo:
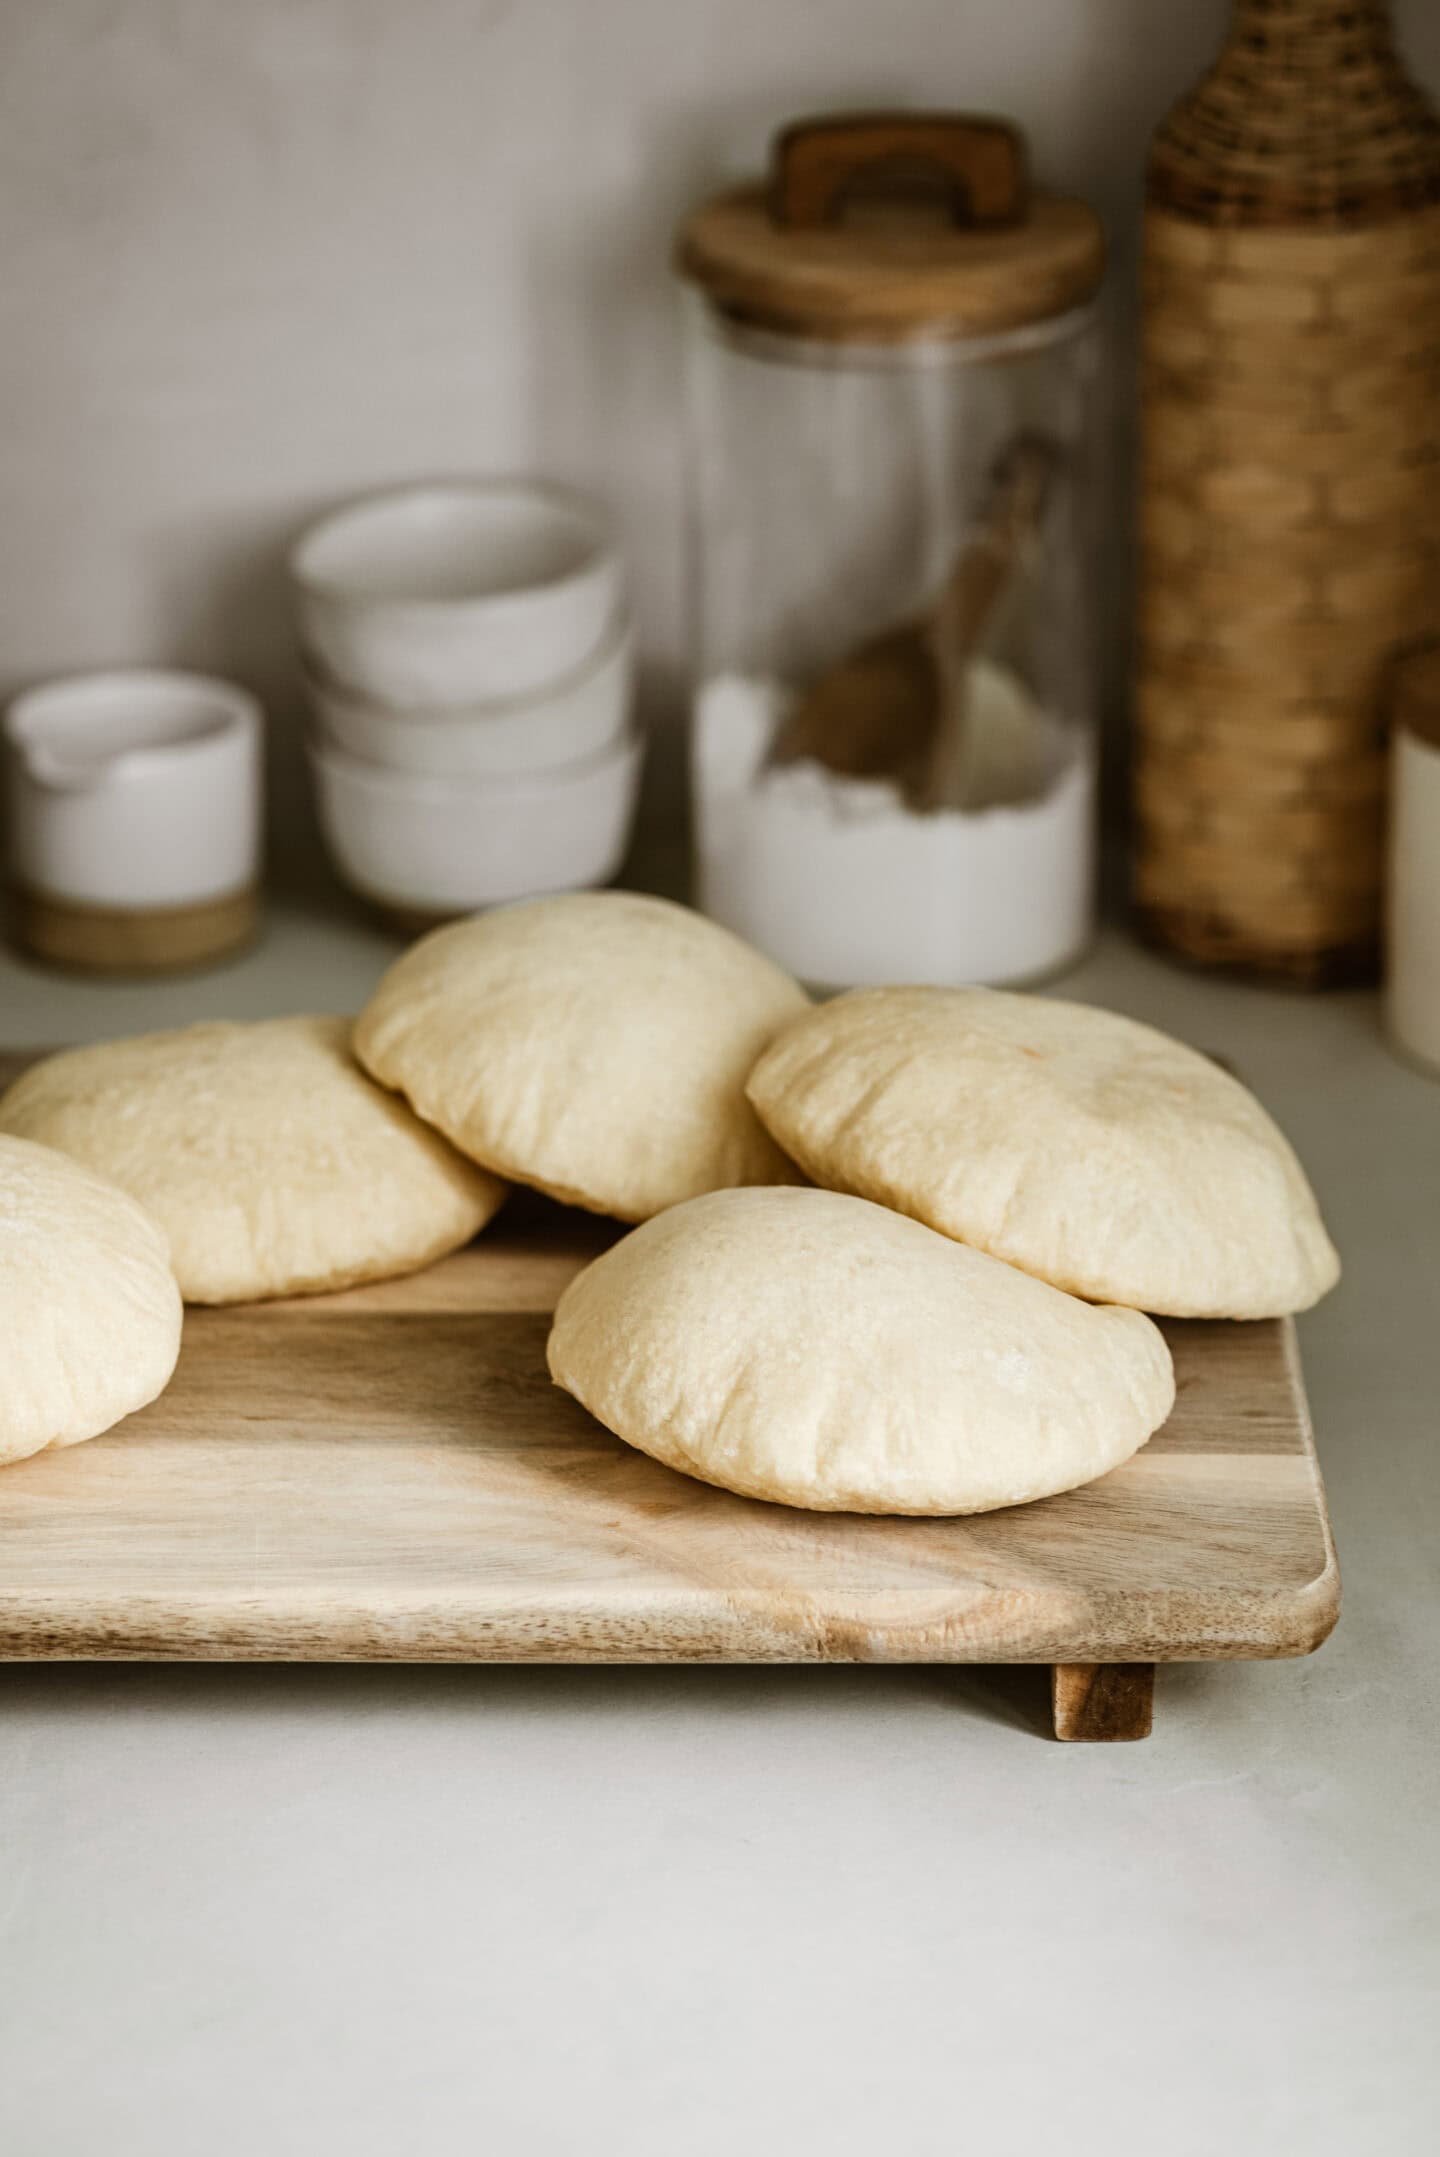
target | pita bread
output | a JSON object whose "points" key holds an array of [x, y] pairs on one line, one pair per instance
{"points": [[89, 1309], [811, 1348], [1090, 1150], [594, 1045], [274, 1165]]}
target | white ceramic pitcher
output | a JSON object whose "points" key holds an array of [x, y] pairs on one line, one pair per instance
{"points": [[134, 818]]}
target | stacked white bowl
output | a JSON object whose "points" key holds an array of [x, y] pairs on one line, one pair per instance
{"points": [[470, 673]]}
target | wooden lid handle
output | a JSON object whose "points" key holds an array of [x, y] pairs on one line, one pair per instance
{"points": [[816, 164]]}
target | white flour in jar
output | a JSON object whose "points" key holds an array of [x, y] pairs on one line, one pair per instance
{"points": [[846, 886]]}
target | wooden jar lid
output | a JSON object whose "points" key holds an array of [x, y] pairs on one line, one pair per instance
{"points": [[843, 243]]}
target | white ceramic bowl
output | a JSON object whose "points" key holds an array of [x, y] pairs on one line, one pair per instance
{"points": [[433, 845], [578, 718], [134, 789], [456, 593]]}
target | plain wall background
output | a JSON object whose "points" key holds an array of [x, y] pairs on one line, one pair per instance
{"points": [[256, 256]]}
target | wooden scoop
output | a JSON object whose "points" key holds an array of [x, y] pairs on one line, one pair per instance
{"points": [[895, 709]]}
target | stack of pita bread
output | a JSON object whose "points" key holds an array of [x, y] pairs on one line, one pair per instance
{"points": [[900, 1252]]}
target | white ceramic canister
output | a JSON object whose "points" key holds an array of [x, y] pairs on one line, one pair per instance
{"points": [[134, 819], [1412, 972]]}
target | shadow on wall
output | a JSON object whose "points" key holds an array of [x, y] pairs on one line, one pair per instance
{"points": [[225, 602]]}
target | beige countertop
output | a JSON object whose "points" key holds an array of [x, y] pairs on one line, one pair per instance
{"points": [[835, 1909]]}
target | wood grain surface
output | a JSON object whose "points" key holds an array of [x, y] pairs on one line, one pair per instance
{"points": [[388, 1474]]}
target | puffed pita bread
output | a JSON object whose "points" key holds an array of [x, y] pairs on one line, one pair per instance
{"points": [[89, 1309], [274, 1165], [594, 1045], [814, 1349], [1092, 1151]]}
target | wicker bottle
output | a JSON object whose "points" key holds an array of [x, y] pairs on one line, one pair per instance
{"points": [[1290, 516]]}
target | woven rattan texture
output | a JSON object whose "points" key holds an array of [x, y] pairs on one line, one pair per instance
{"points": [[1291, 499], [1309, 115]]}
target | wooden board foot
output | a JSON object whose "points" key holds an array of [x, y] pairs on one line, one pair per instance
{"points": [[1102, 1701]]}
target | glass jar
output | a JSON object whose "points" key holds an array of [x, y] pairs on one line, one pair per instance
{"points": [[891, 421]]}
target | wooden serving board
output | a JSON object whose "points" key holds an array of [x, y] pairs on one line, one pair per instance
{"points": [[388, 1474]]}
